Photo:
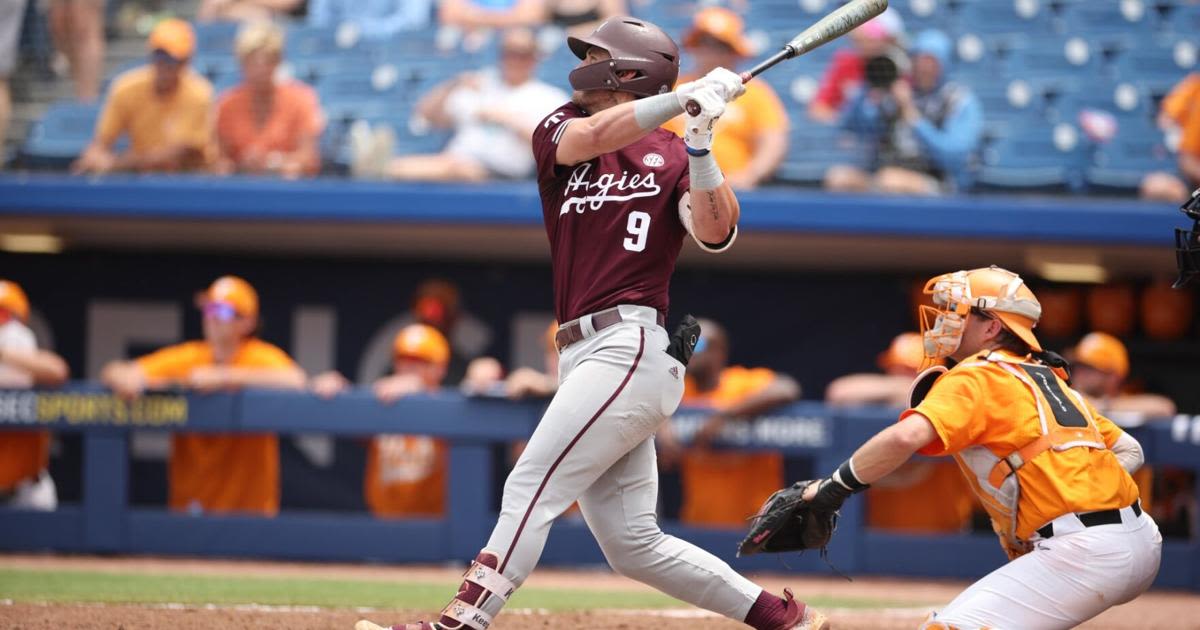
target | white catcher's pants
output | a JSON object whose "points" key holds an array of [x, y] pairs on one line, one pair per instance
{"points": [[595, 445], [1065, 580]]}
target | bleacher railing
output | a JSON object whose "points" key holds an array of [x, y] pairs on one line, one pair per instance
{"points": [[105, 522]]}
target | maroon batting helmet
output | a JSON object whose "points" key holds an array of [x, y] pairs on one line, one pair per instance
{"points": [[635, 45]]}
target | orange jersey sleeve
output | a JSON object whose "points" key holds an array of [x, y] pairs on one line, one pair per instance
{"points": [[175, 362], [952, 408], [1181, 98]]}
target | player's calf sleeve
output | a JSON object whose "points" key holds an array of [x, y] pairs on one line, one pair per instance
{"points": [[480, 582], [771, 612]]}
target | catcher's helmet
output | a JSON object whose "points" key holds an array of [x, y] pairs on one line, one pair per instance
{"points": [[1187, 242], [634, 45], [998, 292]]}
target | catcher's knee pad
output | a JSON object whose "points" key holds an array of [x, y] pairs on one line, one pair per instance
{"points": [[480, 582]]}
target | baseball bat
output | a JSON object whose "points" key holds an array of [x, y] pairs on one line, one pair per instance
{"points": [[839, 22]]}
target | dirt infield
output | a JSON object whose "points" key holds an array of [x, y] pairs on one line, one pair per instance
{"points": [[1165, 610]]}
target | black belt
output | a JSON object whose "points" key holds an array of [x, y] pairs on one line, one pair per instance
{"points": [[1092, 519], [572, 332]]}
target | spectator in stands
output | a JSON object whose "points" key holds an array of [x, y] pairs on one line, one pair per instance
{"points": [[406, 474], [1100, 365], [920, 496], [77, 27], [581, 17], [213, 472], [246, 10], [264, 125], [375, 20], [920, 133], [164, 107], [844, 74], [723, 488], [751, 137], [11, 12], [486, 14], [1180, 114], [485, 375], [25, 455], [493, 113]]}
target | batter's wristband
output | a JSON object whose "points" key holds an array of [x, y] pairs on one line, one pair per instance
{"points": [[704, 172], [846, 478], [653, 112]]}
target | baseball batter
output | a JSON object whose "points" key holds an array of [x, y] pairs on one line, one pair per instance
{"points": [[619, 195], [1053, 474]]}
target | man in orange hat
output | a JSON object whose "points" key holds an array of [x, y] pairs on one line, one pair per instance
{"points": [[1101, 366], [1051, 471], [406, 474], [211, 472], [752, 135], [164, 107], [920, 496], [25, 455]]}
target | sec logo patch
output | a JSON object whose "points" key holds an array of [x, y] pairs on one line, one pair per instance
{"points": [[653, 160]]}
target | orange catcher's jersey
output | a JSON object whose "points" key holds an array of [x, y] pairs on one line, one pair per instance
{"points": [[1002, 403]]}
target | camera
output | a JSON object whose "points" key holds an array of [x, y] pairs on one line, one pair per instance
{"points": [[881, 72]]}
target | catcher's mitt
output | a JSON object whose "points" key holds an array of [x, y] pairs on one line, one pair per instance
{"points": [[787, 522]]}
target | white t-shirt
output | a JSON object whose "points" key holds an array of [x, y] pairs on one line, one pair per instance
{"points": [[498, 148], [15, 335]]}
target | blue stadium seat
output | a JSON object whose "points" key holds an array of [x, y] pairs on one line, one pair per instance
{"points": [[991, 17], [1184, 19], [1157, 61], [1027, 159], [1119, 166], [215, 36], [919, 15], [310, 41], [1099, 18], [1046, 64], [60, 136], [813, 148]]}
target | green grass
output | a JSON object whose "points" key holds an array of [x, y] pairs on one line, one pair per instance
{"points": [[95, 586]]}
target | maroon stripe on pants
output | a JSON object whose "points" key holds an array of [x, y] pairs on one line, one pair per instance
{"points": [[599, 412]]}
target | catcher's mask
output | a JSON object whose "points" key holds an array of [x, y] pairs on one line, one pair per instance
{"points": [[1187, 242], [635, 46], [997, 292]]}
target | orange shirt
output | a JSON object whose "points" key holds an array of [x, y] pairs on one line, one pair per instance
{"points": [[723, 488], [756, 112], [406, 476], [1183, 106], [23, 455], [220, 472], [295, 114], [133, 107], [981, 404]]}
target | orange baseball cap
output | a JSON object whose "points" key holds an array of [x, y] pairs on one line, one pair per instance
{"points": [[1103, 352], [174, 37], [419, 341], [721, 24], [233, 291], [13, 299], [907, 350]]}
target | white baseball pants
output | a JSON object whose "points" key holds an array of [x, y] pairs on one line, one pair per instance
{"points": [[595, 445], [1067, 579]]}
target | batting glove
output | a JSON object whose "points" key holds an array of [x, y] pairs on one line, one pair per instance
{"points": [[698, 129], [727, 81]]}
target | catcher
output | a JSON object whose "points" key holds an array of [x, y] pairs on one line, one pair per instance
{"points": [[1052, 472]]}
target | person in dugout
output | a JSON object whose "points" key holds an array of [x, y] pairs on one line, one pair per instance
{"points": [[406, 474], [25, 482], [217, 472]]}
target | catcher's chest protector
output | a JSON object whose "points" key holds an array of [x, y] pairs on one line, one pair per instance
{"points": [[1064, 421]]}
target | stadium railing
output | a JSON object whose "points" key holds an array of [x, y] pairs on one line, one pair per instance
{"points": [[104, 522]]}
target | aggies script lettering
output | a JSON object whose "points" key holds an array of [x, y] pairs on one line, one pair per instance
{"points": [[634, 186]]}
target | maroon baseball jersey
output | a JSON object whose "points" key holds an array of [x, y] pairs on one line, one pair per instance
{"points": [[613, 221]]}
